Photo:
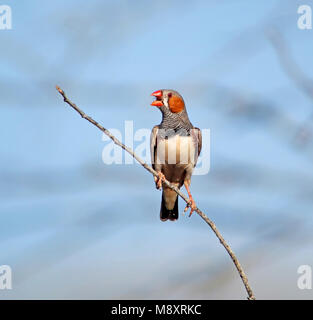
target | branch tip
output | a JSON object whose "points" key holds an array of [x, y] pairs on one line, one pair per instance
{"points": [[59, 89]]}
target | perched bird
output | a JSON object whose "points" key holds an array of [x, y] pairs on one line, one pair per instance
{"points": [[175, 145]]}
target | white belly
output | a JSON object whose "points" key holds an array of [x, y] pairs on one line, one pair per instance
{"points": [[176, 150]]}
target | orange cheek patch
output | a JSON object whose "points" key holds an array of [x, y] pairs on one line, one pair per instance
{"points": [[176, 104]]}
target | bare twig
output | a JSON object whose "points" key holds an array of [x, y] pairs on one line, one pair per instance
{"points": [[184, 197]]}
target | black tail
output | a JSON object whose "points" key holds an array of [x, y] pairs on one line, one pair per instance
{"points": [[166, 214]]}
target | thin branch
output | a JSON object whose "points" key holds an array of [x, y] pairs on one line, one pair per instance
{"points": [[167, 183]]}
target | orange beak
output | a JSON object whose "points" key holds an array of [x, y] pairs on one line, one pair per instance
{"points": [[158, 102]]}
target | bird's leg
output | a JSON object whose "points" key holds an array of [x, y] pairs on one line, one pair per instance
{"points": [[159, 179], [191, 204]]}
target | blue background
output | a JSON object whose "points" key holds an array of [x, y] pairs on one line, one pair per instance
{"points": [[72, 227]]}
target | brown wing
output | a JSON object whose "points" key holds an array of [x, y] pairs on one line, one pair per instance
{"points": [[153, 145]]}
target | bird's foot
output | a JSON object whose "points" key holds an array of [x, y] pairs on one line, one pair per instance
{"points": [[192, 205], [158, 180]]}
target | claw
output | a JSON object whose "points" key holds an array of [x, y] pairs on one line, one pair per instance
{"points": [[158, 180], [191, 204]]}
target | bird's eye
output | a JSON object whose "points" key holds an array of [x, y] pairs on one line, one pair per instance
{"points": [[169, 95]]}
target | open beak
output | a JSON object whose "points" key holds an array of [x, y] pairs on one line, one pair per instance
{"points": [[158, 102]]}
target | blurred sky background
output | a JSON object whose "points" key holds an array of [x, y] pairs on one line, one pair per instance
{"points": [[74, 228]]}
